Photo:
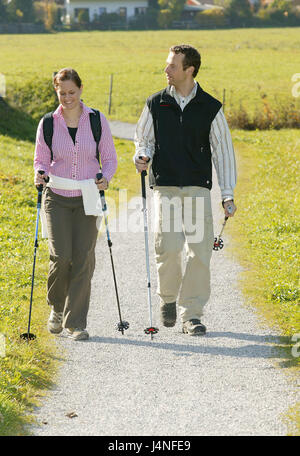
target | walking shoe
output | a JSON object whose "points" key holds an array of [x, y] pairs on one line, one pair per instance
{"points": [[55, 322], [77, 333], [168, 314], [193, 327]]}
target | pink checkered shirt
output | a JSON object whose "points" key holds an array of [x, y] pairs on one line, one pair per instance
{"points": [[77, 161]]}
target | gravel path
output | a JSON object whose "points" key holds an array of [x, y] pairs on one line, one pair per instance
{"points": [[225, 383]]}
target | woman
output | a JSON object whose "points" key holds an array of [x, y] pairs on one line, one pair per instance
{"points": [[72, 232]]}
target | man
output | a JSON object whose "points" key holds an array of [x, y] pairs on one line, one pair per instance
{"points": [[182, 129]]}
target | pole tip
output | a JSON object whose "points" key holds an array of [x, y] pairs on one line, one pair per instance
{"points": [[27, 336]]}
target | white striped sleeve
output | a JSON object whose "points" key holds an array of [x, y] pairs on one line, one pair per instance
{"points": [[223, 155], [144, 139]]}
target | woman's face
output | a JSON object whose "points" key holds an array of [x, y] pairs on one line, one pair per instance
{"points": [[68, 94]]}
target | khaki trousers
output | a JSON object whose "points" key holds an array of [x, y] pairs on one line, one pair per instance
{"points": [[72, 237], [183, 217]]}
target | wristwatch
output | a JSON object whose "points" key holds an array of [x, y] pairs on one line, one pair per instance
{"points": [[225, 200]]}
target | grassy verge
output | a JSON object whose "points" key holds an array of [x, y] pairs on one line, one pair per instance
{"points": [[242, 61], [266, 234], [269, 222], [28, 369]]}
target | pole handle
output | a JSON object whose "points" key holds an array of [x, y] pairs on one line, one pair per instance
{"points": [[143, 184], [40, 187], [99, 176], [143, 173], [143, 176]]}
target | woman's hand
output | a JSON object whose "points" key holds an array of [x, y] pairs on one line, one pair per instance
{"points": [[39, 179], [102, 184]]}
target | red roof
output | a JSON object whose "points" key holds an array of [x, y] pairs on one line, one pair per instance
{"points": [[192, 3]]}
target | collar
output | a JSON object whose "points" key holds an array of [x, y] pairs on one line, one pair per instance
{"points": [[167, 96], [175, 94], [85, 111]]}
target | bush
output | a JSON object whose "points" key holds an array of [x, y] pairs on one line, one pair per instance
{"points": [[35, 97], [20, 11], [279, 114], [238, 12], [49, 15], [3, 12], [107, 19], [212, 17], [275, 17], [279, 12], [145, 21], [83, 17]]}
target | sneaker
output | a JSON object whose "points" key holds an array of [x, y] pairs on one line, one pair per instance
{"points": [[55, 322], [193, 327], [168, 314], [77, 333]]}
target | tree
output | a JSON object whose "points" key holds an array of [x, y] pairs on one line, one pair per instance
{"points": [[214, 17], [3, 12], [21, 10], [83, 16], [279, 12], [169, 11], [238, 12]]}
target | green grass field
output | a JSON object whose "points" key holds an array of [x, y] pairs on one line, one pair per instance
{"points": [[245, 62], [265, 229]]}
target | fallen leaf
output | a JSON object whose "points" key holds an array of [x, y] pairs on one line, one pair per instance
{"points": [[71, 415]]}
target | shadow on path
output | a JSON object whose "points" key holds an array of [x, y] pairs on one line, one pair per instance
{"points": [[276, 349]]}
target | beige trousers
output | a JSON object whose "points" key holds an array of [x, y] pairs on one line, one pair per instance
{"points": [[72, 237], [183, 218]]}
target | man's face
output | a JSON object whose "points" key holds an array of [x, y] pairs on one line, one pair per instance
{"points": [[174, 69]]}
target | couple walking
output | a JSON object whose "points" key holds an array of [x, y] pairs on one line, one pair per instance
{"points": [[181, 131]]}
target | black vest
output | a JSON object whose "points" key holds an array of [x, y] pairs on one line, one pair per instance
{"points": [[182, 150]]}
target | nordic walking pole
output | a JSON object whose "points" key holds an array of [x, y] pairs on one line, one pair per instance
{"points": [[218, 242], [123, 324], [151, 330], [30, 336]]}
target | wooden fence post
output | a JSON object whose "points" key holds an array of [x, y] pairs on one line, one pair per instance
{"points": [[110, 93]]}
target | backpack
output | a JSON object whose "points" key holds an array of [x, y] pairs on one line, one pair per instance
{"points": [[95, 126]]}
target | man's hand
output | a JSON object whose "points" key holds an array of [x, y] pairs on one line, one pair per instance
{"points": [[141, 163], [229, 208], [102, 184]]}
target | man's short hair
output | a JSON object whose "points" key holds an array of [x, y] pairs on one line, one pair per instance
{"points": [[191, 57]]}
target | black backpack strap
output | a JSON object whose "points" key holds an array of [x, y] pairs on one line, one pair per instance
{"points": [[96, 129], [48, 130], [95, 121]]}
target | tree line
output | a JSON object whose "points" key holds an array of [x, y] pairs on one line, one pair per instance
{"points": [[46, 12], [161, 14]]}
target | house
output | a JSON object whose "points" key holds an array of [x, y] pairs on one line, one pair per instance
{"points": [[192, 7], [125, 8]]}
